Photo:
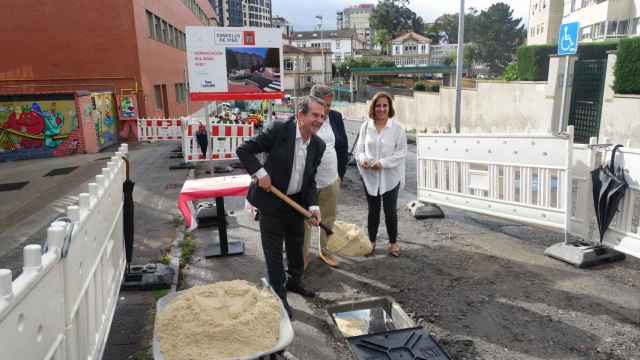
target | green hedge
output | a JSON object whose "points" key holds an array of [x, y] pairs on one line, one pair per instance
{"points": [[533, 61], [627, 69], [419, 86]]}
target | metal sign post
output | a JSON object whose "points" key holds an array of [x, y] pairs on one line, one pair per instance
{"points": [[567, 46], [459, 68]]}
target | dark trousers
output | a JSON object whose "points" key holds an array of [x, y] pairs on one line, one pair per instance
{"points": [[390, 204], [288, 226]]}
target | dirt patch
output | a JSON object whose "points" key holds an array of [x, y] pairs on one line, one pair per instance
{"points": [[489, 295]]}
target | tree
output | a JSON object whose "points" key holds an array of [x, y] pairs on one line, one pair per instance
{"points": [[470, 57], [447, 25], [391, 18], [499, 35], [494, 31], [431, 31]]}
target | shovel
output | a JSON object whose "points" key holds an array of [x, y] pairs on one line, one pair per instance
{"points": [[298, 208]]}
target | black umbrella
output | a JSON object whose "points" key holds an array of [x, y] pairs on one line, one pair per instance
{"points": [[127, 214], [609, 186], [202, 139]]}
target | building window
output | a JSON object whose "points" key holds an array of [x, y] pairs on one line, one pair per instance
{"points": [[157, 90], [612, 27], [585, 33], [288, 64], [165, 32], [635, 26], [598, 30], [158, 25], [623, 27], [181, 93], [150, 24]]}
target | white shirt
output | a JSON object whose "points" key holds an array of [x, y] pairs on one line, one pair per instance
{"points": [[299, 161], [390, 148], [327, 172]]}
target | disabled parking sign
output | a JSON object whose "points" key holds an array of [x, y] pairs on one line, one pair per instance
{"points": [[568, 39]]}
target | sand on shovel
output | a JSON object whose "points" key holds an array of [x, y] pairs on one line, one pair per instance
{"points": [[225, 320]]}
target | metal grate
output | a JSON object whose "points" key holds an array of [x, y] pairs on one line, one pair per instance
{"points": [[586, 100], [61, 171], [13, 186]]}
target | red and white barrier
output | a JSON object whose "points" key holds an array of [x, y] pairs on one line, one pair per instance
{"points": [[159, 129], [223, 140]]}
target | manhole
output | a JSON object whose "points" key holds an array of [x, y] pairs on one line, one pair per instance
{"points": [[404, 344], [61, 171], [171, 187], [13, 186]]}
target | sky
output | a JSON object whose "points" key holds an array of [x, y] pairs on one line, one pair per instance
{"points": [[301, 13]]}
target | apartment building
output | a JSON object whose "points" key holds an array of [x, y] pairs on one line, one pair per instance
{"points": [[603, 19], [545, 17], [599, 19], [256, 13], [303, 67], [357, 17], [341, 43]]}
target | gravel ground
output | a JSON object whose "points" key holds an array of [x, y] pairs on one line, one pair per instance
{"points": [[484, 289]]}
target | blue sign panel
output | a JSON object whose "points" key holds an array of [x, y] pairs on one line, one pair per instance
{"points": [[568, 39]]}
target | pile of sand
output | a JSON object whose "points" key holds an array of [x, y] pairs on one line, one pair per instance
{"points": [[349, 240], [224, 320]]}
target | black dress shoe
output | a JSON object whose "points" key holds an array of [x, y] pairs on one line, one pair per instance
{"points": [[298, 289]]}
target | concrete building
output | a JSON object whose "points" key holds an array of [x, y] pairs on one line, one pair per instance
{"points": [[233, 13], [410, 49], [545, 17], [603, 19], [282, 23], [341, 43], [257, 13], [303, 68], [357, 17], [440, 52], [134, 47]]}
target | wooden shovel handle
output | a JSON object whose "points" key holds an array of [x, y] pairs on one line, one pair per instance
{"points": [[298, 208]]}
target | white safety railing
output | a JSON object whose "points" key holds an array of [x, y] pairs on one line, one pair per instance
{"points": [[62, 304], [624, 232], [516, 177], [223, 140], [159, 129], [524, 178]]}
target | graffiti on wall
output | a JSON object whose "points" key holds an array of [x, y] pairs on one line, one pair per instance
{"points": [[27, 125], [103, 114]]}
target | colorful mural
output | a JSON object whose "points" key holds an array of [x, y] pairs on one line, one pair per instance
{"points": [[36, 128], [104, 118]]}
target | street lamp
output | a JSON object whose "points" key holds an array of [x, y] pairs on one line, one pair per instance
{"points": [[459, 63], [319, 17]]}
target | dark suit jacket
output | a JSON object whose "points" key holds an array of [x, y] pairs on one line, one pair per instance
{"points": [[342, 144], [278, 142]]}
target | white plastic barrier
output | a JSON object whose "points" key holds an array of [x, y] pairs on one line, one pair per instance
{"points": [[61, 307], [519, 177], [159, 129], [524, 178], [624, 232], [223, 140]]}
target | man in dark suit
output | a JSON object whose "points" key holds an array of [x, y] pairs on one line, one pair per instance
{"points": [[293, 155]]}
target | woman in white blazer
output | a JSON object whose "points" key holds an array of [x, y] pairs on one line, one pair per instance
{"points": [[380, 154]]}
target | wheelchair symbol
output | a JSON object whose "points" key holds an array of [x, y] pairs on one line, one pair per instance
{"points": [[567, 43]]}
